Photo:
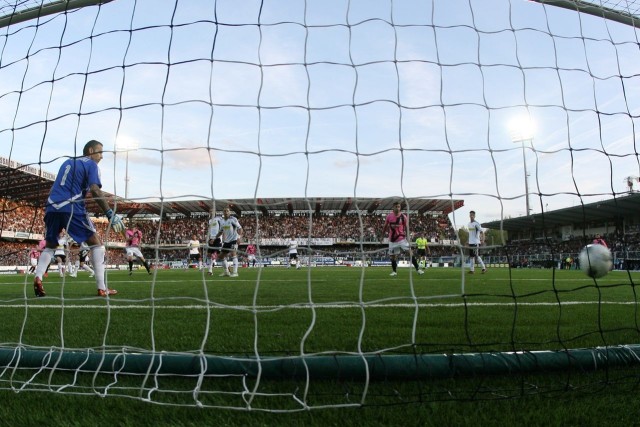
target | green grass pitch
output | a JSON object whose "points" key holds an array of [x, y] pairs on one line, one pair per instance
{"points": [[277, 312]]}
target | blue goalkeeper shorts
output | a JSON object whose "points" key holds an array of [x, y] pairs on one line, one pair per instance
{"points": [[79, 227]]}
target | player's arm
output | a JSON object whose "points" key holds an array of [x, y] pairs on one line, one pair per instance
{"points": [[239, 231], [114, 220]]}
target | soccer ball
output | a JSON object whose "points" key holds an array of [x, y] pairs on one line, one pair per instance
{"points": [[596, 261]]}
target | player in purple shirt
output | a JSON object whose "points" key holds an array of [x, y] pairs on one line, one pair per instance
{"points": [[396, 225], [132, 251], [66, 210]]}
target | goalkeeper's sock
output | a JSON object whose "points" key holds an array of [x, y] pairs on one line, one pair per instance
{"points": [[97, 259], [394, 265], [43, 262], [146, 265], [414, 261], [130, 265], [235, 265]]}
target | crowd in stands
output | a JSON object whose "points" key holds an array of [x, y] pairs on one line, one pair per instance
{"points": [[563, 253], [347, 230], [173, 234], [19, 216]]}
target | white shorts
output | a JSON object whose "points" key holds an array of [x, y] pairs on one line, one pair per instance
{"points": [[251, 257], [133, 251], [34, 262], [398, 247]]}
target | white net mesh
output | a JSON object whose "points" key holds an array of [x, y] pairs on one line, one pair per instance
{"points": [[318, 100]]}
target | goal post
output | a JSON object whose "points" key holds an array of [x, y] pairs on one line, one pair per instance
{"points": [[365, 367], [27, 10], [624, 12]]}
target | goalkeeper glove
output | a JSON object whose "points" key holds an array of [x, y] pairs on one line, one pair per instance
{"points": [[115, 221]]}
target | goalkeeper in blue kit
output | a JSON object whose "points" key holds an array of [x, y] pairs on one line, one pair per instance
{"points": [[66, 209]]}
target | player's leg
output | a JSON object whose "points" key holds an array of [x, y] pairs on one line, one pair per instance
{"points": [[414, 261], [68, 268], [41, 269], [472, 260], [223, 259], [481, 262], [234, 260], [87, 267], [210, 252], [394, 265], [81, 229], [97, 259], [54, 223], [145, 263], [59, 263], [393, 249], [212, 262]]}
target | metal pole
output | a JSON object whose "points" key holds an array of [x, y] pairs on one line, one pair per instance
{"points": [[526, 178], [126, 177]]}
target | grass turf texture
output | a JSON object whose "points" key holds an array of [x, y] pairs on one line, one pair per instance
{"points": [[277, 312]]}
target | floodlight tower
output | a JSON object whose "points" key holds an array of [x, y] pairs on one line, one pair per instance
{"points": [[126, 145], [522, 132]]}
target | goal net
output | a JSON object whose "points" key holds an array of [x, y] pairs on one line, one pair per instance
{"points": [[308, 120]]}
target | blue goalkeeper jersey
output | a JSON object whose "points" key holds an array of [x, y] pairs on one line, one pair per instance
{"points": [[74, 179]]}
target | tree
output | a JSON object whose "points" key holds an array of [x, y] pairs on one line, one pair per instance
{"points": [[491, 237], [495, 237]]}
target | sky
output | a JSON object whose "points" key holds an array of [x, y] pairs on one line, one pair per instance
{"points": [[330, 98]]}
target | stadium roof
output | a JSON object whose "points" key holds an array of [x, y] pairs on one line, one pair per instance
{"points": [[340, 205], [30, 184], [627, 205]]}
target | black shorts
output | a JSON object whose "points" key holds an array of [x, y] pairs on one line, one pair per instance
{"points": [[421, 252], [230, 246], [214, 246], [62, 257], [194, 257], [474, 250], [293, 256]]}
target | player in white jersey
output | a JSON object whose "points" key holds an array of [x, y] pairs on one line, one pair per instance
{"points": [[194, 252], [60, 253], [82, 259], [231, 232], [293, 253], [476, 239], [214, 243]]}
